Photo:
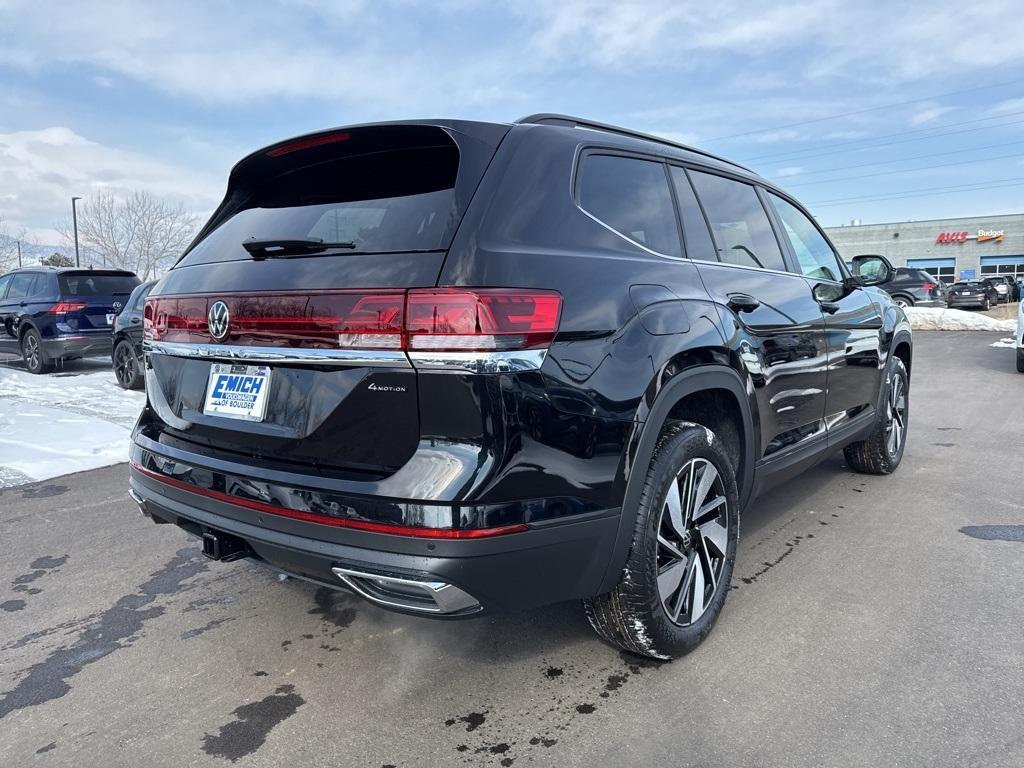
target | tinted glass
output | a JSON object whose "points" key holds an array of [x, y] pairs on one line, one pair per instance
{"points": [[699, 244], [399, 200], [95, 284], [632, 197], [4, 282], [813, 253], [22, 286], [140, 299], [738, 221]]}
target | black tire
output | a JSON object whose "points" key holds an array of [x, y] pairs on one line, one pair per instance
{"points": [[127, 371], [32, 353], [903, 301], [1020, 361], [986, 304], [635, 615], [875, 455]]}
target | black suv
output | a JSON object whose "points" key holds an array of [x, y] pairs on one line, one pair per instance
{"points": [[48, 315], [460, 366], [911, 287], [126, 350]]}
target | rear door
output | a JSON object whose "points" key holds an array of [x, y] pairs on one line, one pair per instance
{"points": [[852, 320], [784, 345], [323, 325]]}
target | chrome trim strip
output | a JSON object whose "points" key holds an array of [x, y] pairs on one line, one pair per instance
{"points": [[391, 358], [479, 362]]}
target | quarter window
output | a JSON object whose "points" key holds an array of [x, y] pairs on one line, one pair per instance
{"points": [[814, 254], [743, 234], [631, 197], [4, 281]]}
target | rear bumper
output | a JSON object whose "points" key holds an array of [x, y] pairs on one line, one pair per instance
{"points": [[541, 562], [939, 302], [77, 345], [965, 301]]}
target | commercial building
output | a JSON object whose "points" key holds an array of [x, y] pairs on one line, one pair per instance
{"points": [[950, 249]]}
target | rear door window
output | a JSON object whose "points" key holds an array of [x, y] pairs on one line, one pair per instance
{"points": [[813, 253], [4, 282], [22, 286], [696, 235], [741, 228], [95, 284], [631, 197]]}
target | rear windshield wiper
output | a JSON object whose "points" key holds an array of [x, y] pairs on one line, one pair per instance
{"points": [[276, 249]]}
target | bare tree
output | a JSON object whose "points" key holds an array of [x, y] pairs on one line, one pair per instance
{"points": [[8, 247], [140, 233]]}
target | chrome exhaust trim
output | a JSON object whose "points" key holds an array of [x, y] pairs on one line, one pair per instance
{"points": [[138, 500], [421, 595]]}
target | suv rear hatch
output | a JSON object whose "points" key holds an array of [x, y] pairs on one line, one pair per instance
{"points": [[90, 298], [301, 276]]}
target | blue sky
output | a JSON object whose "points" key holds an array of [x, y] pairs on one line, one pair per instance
{"points": [[166, 96]]}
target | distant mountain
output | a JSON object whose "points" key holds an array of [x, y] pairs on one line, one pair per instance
{"points": [[31, 253]]}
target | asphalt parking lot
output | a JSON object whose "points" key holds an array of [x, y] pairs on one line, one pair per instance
{"points": [[874, 621]]}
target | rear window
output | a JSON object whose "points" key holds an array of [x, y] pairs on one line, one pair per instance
{"points": [[95, 284], [397, 200]]}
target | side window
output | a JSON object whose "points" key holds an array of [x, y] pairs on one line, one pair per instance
{"points": [[631, 197], [699, 244], [4, 282], [140, 301], [21, 285], [815, 255], [739, 222]]}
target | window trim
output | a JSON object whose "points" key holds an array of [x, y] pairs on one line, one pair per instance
{"points": [[583, 152]]}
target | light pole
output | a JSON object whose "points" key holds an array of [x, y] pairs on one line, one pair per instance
{"points": [[74, 219]]}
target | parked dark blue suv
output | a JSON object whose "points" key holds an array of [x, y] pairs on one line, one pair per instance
{"points": [[48, 315]]}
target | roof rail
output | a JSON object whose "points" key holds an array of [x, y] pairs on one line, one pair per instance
{"points": [[551, 118]]}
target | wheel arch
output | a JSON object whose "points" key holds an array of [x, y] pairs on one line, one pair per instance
{"points": [[688, 388]]}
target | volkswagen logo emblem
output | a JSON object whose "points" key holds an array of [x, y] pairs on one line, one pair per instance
{"points": [[218, 317]]}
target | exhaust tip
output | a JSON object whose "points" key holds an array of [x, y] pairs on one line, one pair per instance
{"points": [[421, 595]]}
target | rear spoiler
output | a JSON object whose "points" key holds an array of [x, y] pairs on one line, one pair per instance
{"points": [[476, 141]]}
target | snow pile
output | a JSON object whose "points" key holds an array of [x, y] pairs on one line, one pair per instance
{"points": [[935, 319], [1004, 343], [64, 422]]}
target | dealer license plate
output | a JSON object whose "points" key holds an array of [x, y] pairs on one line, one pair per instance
{"points": [[110, 318], [237, 391]]}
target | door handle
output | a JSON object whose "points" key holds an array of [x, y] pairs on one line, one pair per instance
{"points": [[741, 302], [136, 320], [829, 306]]}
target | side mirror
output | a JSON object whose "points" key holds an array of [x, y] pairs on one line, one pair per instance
{"points": [[872, 270]]}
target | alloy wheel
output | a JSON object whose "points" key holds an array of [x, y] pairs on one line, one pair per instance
{"points": [[31, 352], [693, 539], [896, 415], [124, 365]]}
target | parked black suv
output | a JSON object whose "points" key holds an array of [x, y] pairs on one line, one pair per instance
{"points": [[910, 287], [48, 315], [126, 350], [458, 366]]}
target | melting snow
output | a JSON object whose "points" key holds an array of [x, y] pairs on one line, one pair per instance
{"points": [[63, 422], [936, 319], [1004, 343]]}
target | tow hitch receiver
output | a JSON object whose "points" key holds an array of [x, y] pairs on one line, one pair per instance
{"points": [[224, 547]]}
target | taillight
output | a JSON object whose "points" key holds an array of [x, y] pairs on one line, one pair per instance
{"points": [[67, 306], [481, 319], [928, 286]]}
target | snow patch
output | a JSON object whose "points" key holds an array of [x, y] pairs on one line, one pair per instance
{"points": [[55, 424], [937, 319], [1004, 343]]}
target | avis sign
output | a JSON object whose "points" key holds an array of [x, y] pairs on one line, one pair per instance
{"points": [[984, 235]]}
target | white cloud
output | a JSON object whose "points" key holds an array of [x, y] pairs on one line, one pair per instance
{"points": [[1007, 106], [790, 170], [928, 114], [41, 169]]}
